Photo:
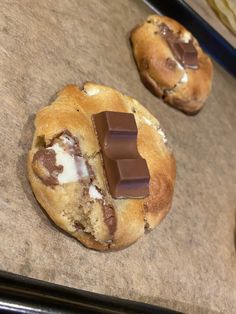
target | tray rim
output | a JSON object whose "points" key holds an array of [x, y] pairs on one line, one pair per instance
{"points": [[21, 294]]}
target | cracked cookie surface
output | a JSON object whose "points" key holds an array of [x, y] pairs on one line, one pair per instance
{"points": [[66, 171], [161, 71]]}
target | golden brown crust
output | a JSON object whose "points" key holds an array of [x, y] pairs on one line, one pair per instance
{"points": [[158, 70], [72, 111]]}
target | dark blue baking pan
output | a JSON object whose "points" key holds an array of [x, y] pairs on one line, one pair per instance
{"points": [[20, 294], [211, 41]]}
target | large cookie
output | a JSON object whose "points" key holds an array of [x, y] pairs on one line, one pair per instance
{"points": [[65, 169], [158, 46]]}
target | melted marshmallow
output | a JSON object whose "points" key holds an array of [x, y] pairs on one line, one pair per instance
{"points": [[67, 140], [162, 134], [91, 92], [71, 171], [147, 121], [82, 168], [184, 78], [186, 37], [94, 193]]}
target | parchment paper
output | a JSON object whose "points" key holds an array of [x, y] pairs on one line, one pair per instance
{"points": [[188, 262]]}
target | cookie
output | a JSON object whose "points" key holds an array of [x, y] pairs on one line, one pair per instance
{"points": [[66, 169], [171, 63]]}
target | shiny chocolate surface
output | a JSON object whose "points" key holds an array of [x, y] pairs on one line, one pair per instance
{"points": [[185, 53], [127, 172]]}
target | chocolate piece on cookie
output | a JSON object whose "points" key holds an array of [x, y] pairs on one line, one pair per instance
{"points": [[67, 172], [127, 172], [171, 63]]}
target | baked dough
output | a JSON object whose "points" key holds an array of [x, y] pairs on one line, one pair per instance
{"points": [[83, 206], [183, 88]]}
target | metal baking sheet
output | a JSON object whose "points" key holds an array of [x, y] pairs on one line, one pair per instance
{"points": [[19, 294]]}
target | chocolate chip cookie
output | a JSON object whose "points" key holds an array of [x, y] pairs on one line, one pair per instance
{"points": [[171, 63], [67, 174]]}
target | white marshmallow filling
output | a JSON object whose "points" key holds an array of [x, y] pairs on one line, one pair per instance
{"points": [[162, 134], [92, 91], [184, 78], [74, 167], [94, 193], [147, 121]]}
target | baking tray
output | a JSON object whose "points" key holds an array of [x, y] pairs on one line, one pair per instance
{"points": [[20, 294], [211, 41]]}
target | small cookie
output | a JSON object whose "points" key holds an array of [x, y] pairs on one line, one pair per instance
{"points": [[171, 63], [65, 169]]}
